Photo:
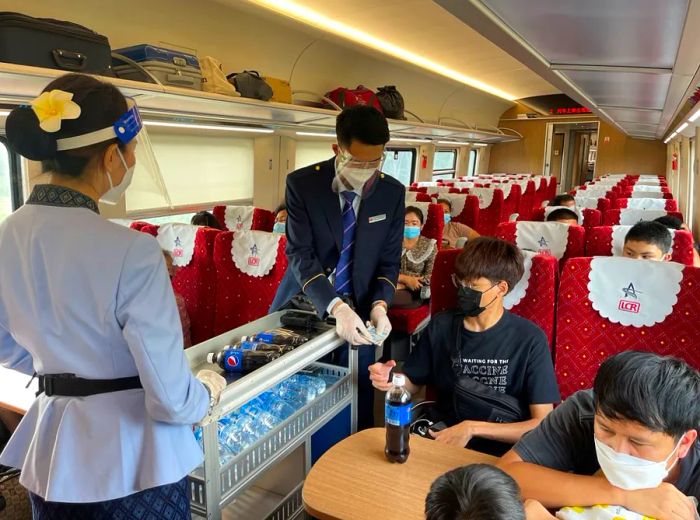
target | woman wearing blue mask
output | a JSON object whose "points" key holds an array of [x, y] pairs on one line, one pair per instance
{"points": [[454, 234], [417, 259], [280, 219]]}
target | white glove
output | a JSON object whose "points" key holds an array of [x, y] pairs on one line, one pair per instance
{"points": [[349, 326], [380, 320], [214, 382]]}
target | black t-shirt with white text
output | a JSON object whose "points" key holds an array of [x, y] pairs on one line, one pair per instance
{"points": [[512, 357]]}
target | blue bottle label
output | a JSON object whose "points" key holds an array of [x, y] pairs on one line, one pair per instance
{"points": [[233, 360], [397, 415]]}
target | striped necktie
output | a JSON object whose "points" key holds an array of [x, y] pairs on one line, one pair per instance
{"points": [[343, 271]]}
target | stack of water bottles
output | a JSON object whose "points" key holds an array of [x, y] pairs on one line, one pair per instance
{"points": [[243, 427]]}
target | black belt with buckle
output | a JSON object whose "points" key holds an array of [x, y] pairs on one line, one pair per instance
{"points": [[69, 385]]}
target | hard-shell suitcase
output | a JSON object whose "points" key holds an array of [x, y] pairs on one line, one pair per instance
{"points": [[54, 44], [170, 67]]}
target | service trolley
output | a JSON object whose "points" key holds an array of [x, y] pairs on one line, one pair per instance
{"points": [[264, 481]]}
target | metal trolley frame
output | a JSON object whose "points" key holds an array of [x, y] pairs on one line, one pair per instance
{"points": [[212, 486]]}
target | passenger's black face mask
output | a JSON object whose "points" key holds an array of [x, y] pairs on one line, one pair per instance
{"points": [[469, 300]]}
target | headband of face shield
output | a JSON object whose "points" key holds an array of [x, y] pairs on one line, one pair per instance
{"points": [[125, 129], [352, 174]]}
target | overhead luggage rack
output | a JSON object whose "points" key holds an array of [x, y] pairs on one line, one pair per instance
{"points": [[21, 84], [213, 486]]}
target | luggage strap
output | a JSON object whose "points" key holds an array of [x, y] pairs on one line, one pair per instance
{"points": [[68, 385]]}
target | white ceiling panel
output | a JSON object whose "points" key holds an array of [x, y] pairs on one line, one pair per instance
{"points": [[638, 33], [623, 115], [622, 89]]}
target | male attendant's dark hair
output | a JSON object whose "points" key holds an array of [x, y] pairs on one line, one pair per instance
{"points": [[361, 123]]}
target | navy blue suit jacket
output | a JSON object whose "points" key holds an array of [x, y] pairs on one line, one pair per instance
{"points": [[315, 236]]}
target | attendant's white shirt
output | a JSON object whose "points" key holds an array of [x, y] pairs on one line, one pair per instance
{"points": [[85, 296]]}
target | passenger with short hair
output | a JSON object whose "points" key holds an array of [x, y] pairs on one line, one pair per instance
{"points": [[564, 216], [474, 492], [648, 240], [484, 348], [206, 219], [417, 260], [563, 199], [280, 219], [454, 234], [676, 224], [180, 301], [639, 425]]}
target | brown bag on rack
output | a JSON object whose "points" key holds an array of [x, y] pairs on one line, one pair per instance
{"points": [[14, 499], [213, 78]]}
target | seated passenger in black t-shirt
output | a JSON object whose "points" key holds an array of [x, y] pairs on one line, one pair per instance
{"points": [[504, 352], [638, 425]]}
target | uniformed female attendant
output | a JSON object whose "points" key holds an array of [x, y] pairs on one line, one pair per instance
{"points": [[88, 306]]}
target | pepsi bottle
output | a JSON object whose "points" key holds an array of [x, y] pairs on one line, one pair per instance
{"points": [[278, 337], [261, 347], [397, 418], [237, 360]]}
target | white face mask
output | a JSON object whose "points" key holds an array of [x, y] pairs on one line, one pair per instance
{"points": [[629, 472], [355, 173], [115, 193]]}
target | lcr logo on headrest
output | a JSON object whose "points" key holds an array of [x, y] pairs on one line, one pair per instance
{"points": [[178, 251], [254, 259], [544, 246], [239, 223], [628, 305]]}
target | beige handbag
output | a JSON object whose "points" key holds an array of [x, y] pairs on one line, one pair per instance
{"points": [[14, 499], [213, 78]]}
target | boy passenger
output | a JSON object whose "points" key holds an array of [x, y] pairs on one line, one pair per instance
{"points": [[564, 199], [638, 425], [648, 241], [564, 216], [483, 347]]}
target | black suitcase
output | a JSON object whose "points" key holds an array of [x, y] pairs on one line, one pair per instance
{"points": [[53, 44]]}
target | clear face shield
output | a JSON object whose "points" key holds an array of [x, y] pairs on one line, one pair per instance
{"points": [[351, 174], [143, 179]]}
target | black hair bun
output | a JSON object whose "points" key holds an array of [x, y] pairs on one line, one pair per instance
{"points": [[26, 137]]}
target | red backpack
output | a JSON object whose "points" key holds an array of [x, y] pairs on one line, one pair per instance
{"points": [[345, 97]]}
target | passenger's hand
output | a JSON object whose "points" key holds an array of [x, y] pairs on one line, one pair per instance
{"points": [[214, 382], [380, 320], [379, 375], [414, 283], [457, 435], [665, 502], [349, 326]]}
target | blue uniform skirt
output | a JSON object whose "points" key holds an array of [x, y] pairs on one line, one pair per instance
{"points": [[169, 502]]}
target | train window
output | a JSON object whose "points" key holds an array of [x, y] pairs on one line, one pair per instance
{"points": [[180, 218], [312, 152], [400, 163], [222, 170], [473, 157], [5, 182], [444, 164]]}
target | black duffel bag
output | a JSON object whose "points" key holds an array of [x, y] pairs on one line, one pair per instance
{"points": [[391, 101], [53, 44]]}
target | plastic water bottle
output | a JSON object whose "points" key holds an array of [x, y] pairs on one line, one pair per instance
{"points": [[318, 384], [276, 405], [264, 421], [239, 434], [225, 453], [397, 417], [295, 393], [260, 346]]}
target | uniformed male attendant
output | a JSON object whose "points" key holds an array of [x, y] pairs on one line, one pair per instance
{"points": [[344, 235]]}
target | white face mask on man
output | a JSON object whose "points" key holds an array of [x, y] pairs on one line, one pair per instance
{"points": [[115, 193], [630, 472], [355, 173]]}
